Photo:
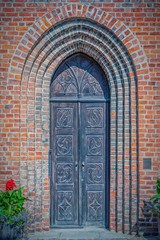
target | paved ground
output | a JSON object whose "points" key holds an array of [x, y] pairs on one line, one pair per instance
{"points": [[89, 233]]}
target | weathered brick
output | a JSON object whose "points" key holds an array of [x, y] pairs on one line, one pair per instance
{"points": [[23, 96]]}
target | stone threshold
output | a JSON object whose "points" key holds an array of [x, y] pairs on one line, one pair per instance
{"points": [[86, 233]]}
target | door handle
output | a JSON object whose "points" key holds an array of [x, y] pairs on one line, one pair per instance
{"points": [[76, 164], [82, 164]]}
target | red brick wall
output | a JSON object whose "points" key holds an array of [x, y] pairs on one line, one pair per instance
{"points": [[143, 19]]}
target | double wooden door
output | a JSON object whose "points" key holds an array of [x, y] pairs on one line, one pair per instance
{"points": [[79, 153], [78, 133]]}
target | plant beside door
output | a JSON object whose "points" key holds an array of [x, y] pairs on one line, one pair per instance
{"points": [[13, 216], [154, 204]]}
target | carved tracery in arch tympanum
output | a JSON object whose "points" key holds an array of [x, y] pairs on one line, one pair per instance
{"points": [[77, 76]]}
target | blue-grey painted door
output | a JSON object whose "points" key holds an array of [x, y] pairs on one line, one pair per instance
{"points": [[93, 158], [64, 139], [79, 130]]}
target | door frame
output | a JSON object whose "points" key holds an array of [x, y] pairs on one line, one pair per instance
{"points": [[107, 164]]}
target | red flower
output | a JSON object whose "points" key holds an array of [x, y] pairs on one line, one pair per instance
{"points": [[10, 185]]}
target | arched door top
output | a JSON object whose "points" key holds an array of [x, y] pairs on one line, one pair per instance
{"points": [[79, 76], [79, 144]]}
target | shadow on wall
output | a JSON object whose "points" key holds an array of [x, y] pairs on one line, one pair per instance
{"points": [[148, 224]]}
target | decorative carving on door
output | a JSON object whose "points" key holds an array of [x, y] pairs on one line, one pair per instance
{"points": [[95, 173], [90, 86], [95, 201], [64, 117], [65, 206], [78, 140], [65, 84], [79, 77], [95, 145], [64, 173], [64, 145], [94, 117]]}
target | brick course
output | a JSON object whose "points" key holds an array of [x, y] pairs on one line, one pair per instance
{"points": [[26, 72]]}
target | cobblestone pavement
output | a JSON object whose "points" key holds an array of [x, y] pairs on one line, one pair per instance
{"points": [[88, 233]]}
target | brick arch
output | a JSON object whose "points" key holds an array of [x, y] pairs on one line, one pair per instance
{"points": [[48, 42]]}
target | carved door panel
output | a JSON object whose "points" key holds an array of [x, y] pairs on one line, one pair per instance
{"points": [[93, 157], [64, 167]]}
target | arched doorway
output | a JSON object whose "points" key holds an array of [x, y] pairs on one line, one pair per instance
{"points": [[79, 143]]}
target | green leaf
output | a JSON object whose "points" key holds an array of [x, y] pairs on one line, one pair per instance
{"points": [[6, 200], [157, 204], [9, 209], [10, 192], [19, 192], [1, 194], [158, 186], [156, 196]]}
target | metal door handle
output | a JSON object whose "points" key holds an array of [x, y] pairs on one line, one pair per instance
{"points": [[82, 164], [76, 164]]}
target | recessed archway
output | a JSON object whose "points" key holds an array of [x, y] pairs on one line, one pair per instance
{"points": [[49, 42]]}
